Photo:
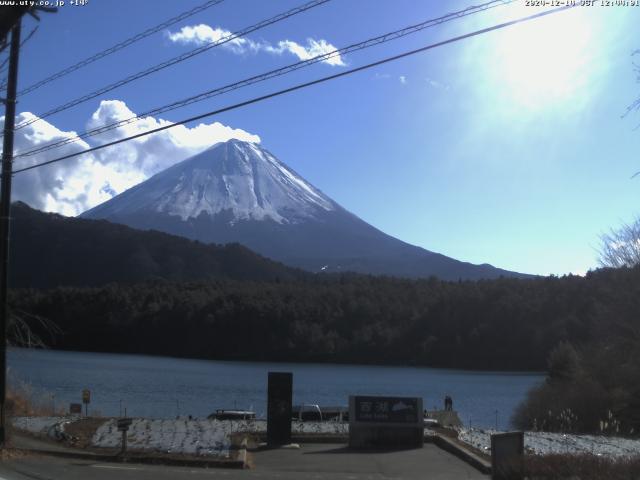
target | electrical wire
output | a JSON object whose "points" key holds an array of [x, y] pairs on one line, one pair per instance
{"points": [[302, 86], [175, 60], [120, 46], [271, 74], [5, 63]]}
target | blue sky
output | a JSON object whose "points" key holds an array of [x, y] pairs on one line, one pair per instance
{"points": [[508, 148]]}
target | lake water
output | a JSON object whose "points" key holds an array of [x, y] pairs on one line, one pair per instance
{"points": [[165, 387]]}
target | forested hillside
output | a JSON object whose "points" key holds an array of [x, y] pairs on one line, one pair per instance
{"points": [[50, 250], [493, 324]]}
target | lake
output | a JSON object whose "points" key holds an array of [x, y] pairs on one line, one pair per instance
{"points": [[165, 387]]}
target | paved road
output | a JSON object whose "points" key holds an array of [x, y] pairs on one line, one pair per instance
{"points": [[312, 462], [336, 461], [29, 442]]}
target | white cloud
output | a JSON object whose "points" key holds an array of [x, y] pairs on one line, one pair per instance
{"points": [[202, 34], [403, 79], [436, 84], [313, 49], [153, 153], [72, 186]]}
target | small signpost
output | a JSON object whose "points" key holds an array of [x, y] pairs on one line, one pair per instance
{"points": [[507, 451], [86, 399], [123, 426], [385, 422], [279, 403], [75, 409]]}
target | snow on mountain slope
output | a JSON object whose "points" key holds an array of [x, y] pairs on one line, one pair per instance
{"points": [[237, 177], [239, 192]]}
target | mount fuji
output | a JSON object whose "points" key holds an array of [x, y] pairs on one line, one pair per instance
{"points": [[239, 192]]}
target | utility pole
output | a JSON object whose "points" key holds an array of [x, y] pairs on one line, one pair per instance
{"points": [[5, 215]]}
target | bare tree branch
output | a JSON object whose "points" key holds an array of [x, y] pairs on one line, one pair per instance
{"points": [[20, 331], [636, 104], [621, 247]]}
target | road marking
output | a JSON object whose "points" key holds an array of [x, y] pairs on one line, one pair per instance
{"points": [[116, 467]]}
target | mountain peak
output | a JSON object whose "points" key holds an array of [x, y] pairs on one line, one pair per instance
{"points": [[236, 178]]}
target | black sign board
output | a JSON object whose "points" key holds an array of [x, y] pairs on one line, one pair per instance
{"points": [[123, 424], [280, 391], [387, 410], [75, 408]]}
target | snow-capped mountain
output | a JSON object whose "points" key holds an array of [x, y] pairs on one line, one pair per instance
{"points": [[239, 192]]}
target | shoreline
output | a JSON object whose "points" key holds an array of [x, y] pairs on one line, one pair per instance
{"points": [[141, 385], [462, 371]]}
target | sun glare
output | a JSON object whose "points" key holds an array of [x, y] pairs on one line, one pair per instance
{"points": [[545, 60]]}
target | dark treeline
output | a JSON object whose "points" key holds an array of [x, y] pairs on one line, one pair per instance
{"points": [[504, 324], [592, 388], [50, 250]]}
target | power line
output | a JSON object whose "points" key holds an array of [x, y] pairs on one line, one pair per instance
{"points": [[4, 64], [28, 37], [120, 46], [178, 59], [272, 74], [303, 85]]}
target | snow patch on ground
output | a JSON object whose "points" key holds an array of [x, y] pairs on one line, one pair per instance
{"points": [[52, 427], [542, 443], [193, 437], [179, 436], [320, 427], [213, 437], [37, 425]]}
